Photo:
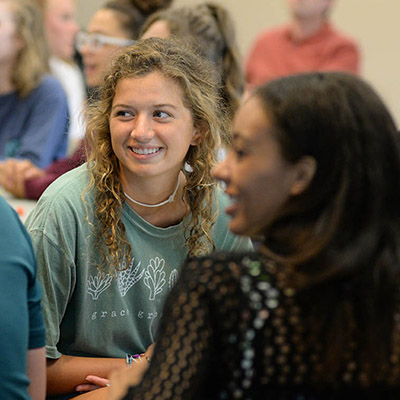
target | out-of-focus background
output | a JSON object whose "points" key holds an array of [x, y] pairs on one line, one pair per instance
{"points": [[375, 24]]}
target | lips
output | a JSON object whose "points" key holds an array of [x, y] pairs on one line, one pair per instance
{"points": [[232, 207], [145, 151]]}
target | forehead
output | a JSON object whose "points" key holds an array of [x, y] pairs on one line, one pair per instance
{"points": [[6, 8], [60, 5], [251, 120], [106, 22], [157, 29], [153, 85]]}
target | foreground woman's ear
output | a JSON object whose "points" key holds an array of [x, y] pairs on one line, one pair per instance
{"points": [[305, 171]]}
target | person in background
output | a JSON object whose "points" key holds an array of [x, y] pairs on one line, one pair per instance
{"points": [[307, 43], [110, 236], [33, 106], [61, 28], [22, 352], [314, 313], [115, 25], [209, 27]]}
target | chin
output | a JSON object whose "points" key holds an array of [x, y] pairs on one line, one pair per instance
{"points": [[239, 228]]}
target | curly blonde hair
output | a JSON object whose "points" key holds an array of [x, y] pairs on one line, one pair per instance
{"points": [[32, 61], [200, 85]]}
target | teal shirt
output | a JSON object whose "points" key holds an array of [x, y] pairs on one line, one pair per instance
{"points": [[92, 313], [21, 319]]}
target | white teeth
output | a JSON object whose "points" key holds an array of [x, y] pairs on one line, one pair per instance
{"points": [[145, 151]]}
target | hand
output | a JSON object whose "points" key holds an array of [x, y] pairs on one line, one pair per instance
{"points": [[122, 379], [14, 173], [150, 350], [95, 382]]}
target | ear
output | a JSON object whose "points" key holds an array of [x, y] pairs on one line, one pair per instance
{"points": [[197, 136], [304, 173], [20, 43]]}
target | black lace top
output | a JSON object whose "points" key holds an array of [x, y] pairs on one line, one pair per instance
{"points": [[229, 332]]}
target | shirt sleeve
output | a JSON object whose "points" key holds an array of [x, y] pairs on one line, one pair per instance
{"points": [[55, 274], [21, 319]]}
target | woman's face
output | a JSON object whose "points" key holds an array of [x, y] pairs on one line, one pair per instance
{"points": [[61, 27], [9, 39], [258, 179], [97, 58], [151, 128]]}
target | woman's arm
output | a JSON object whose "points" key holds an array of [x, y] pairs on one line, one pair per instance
{"points": [[36, 369], [67, 372]]}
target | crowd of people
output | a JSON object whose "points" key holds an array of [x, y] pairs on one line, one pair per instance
{"points": [[207, 225]]}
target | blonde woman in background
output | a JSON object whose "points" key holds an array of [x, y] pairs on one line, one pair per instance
{"points": [[33, 106]]}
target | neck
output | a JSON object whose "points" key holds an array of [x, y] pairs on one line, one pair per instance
{"points": [[170, 198], [6, 86], [163, 216], [302, 29]]}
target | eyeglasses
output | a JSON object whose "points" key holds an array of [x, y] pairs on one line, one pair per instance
{"points": [[96, 41]]}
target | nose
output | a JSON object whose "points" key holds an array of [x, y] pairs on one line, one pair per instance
{"points": [[221, 170], [84, 49], [143, 129]]}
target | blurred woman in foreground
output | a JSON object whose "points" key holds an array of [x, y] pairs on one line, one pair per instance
{"points": [[314, 175]]}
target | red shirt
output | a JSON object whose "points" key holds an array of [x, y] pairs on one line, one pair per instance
{"points": [[276, 54]]}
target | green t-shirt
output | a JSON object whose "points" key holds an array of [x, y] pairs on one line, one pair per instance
{"points": [[92, 313]]}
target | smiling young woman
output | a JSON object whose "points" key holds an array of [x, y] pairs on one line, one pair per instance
{"points": [[153, 136]]}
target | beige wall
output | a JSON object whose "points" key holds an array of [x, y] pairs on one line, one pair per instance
{"points": [[374, 23]]}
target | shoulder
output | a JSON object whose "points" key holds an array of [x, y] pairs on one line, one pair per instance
{"points": [[338, 38], [14, 238], [230, 266], [9, 221], [63, 199], [49, 87], [272, 34], [70, 183], [68, 74], [50, 83]]}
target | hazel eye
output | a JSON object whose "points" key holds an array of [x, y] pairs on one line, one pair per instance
{"points": [[122, 113], [161, 114]]}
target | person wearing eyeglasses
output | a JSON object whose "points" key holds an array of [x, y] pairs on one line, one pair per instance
{"points": [[109, 30]]}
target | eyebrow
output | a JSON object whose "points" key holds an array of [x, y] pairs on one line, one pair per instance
{"points": [[166, 105], [154, 105], [237, 137]]}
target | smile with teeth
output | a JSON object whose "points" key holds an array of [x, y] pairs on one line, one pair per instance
{"points": [[145, 151]]}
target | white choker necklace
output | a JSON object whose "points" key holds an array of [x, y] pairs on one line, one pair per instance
{"points": [[169, 200]]}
